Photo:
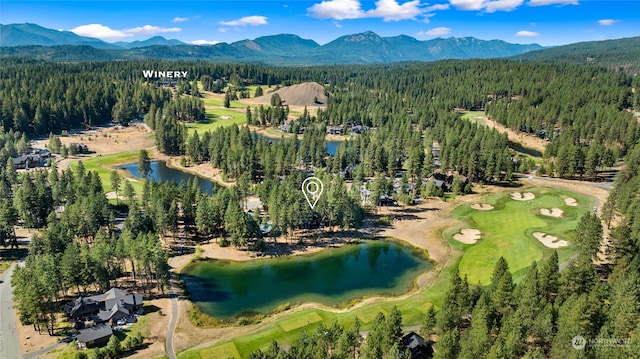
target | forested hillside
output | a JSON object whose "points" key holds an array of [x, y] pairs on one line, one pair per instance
{"points": [[619, 55]]}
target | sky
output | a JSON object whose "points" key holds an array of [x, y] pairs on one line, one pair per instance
{"points": [[546, 22]]}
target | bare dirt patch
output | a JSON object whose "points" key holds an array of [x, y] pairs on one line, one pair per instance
{"points": [[549, 240], [482, 206], [467, 236], [296, 95], [553, 212], [527, 196], [525, 140], [570, 202]]}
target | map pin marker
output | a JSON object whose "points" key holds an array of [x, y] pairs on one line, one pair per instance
{"points": [[312, 188]]}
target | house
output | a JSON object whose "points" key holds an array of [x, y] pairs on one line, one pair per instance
{"points": [[95, 336], [81, 147], [417, 346], [285, 127], [358, 129], [111, 306], [27, 161], [335, 130]]}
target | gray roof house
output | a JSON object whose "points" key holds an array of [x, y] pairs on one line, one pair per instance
{"points": [[95, 336]]}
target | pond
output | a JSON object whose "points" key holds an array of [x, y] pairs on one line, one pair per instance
{"points": [[226, 289], [161, 173]]}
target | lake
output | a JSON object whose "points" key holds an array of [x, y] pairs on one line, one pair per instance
{"points": [[333, 276], [161, 173]]}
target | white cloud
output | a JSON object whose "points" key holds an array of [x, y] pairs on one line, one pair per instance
{"points": [[390, 10], [438, 31], [525, 33], [180, 19], [338, 25], [436, 7], [223, 30], [502, 5], [607, 22], [150, 30], [486, 5], [552, 2], [247, 20], [205, 42], [100, 31], [336, 9], [468, 4]]}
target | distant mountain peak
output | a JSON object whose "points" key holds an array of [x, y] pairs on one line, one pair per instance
{"points": [[359, 48]]}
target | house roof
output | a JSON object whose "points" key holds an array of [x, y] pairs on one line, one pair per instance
{"points": [[96, 332], [106, 315], [417, 346]]}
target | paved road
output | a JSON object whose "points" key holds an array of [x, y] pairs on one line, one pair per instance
{"points": [[172, 324], [174, 306], [9, 343]]}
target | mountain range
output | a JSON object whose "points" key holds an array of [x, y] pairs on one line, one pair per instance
{"points": [[32, 40]]}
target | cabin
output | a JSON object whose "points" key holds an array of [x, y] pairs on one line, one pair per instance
{"points": [[95, 336], [417, 346]]}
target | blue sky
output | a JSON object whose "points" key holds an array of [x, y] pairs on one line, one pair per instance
{"points": [[547, 22]]}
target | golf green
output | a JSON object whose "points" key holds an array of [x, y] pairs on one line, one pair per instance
{"points": [[506, 231]]}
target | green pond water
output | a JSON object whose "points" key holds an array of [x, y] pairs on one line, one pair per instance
{"points": [[226, 289]]}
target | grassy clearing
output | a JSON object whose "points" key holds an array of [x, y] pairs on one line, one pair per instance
{"points": [[103, 165], [219, 102], [474, 116], [217, 118], [507, 231]]}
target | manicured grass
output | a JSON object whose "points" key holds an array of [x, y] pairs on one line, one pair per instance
{"points": [[294, 323], [220, 103], [103, 165], [507, 232], [215, 120], [471, 116]]}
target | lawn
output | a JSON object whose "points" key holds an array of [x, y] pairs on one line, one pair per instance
{"points": [[507, 231]]}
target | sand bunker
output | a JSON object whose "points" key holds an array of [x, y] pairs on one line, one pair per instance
{"points": [[482, 206], [527, 196], [570, 202], [550, 241], [467, 236], [226, 117], [553, 212]]}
